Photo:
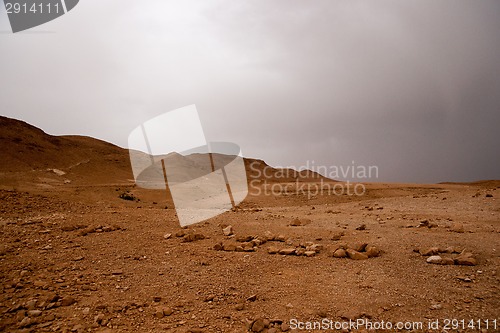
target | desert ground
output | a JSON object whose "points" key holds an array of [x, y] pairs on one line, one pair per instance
{"points": [[83, 249]]}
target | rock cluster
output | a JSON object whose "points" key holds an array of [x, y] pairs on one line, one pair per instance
{"points": [[99, 228], [427, 224], [187, 236], [307, 249], [357, 251], [246, 243], [36, 311], [191, 237], [448, 256], [233, 246], [241, 244]]}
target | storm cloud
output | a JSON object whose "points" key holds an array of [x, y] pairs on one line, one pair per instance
{"points": [[412, 87]]}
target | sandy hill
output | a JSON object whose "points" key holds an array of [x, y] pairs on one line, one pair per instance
{"points": [[30, 153], [28, 148]]}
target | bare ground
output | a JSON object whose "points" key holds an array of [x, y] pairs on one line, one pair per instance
{"points": [[78, 258]]}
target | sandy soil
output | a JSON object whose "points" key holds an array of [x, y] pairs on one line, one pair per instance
{"points": [[78, 258]]}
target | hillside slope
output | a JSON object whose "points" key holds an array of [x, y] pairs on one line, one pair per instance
{"points": [[27, 149]]}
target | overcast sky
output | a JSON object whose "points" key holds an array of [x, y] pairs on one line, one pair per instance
{"points": [[412, 87]]}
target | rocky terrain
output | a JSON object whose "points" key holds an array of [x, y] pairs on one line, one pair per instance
{"points": [[84, 250]]}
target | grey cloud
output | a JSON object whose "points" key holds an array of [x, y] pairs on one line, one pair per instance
{"points": [[412, 87]]}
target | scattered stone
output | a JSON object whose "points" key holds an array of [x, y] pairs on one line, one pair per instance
{"points": [[423, 223], [448, 250], [272, 250], [457, 227], [430, 252], [361, 227], [372, 251], [159, 313], [86, 231], [244, 239], [314, 247], [285, 327], [356, 255], [280, 238], [229, 247], [252, 298], [295, 223], [310, 253], [57, 172], [258, 241], [436, 306], [447, 261], [358, 247], [336, 236], [167, 236], [269, 236], [25, 322], [287, 251], [258, 325], [464, 278], [218, 247], [300, 251], [248, 247], [434, 260], [67, 301], [193, 237], [489, 195], [228, 231], [180, 233], [340, 253], [465, 259], [239, 307], [100, 319], [30, 305], [34, 313]]}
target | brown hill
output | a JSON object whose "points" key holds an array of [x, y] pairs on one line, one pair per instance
{"points": [[28, 148], [30, 154]]}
